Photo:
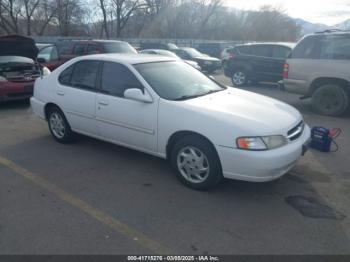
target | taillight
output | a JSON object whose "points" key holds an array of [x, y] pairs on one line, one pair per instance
{"points": [[286, 71]]}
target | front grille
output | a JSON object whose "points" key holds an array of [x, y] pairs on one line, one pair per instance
{"points": [[296, 131]]}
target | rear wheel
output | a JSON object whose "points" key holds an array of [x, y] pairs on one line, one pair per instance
{"points": [[330, 100], [59, 126], [196, 163], [239, 77]]}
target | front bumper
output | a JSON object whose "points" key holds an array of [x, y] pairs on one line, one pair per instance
{"points": [[262, 166]]}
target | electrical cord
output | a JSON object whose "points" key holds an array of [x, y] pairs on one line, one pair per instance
{"points": [[334, 134]]}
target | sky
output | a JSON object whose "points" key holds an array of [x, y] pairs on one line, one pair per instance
{"points": [[329, 12]]}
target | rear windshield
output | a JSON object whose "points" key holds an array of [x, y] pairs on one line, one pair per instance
{"points": [[118, 47]]}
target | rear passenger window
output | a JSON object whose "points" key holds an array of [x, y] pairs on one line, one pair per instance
{"points": [[244, 50], [116, 78], [308, 48], [64, 77], [336, 47], [92, 49], [84, 74], [79, 49], [261, 50], [280, 52]]}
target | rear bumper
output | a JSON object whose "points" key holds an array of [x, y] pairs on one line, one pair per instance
{"points": [[16, 91], [262, 166], [38, 107]]}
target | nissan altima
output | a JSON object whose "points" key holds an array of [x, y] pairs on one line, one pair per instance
{"points": [[162, 106]]}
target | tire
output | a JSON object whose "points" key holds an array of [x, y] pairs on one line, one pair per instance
{"points": [[239, 77], [196, 163], [330, 100], [59, 126]]}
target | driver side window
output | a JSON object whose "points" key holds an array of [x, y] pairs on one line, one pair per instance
{"points": [[117, 78]]}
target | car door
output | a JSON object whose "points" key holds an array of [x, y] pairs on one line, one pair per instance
{"points": [[127, 122], [76, 95], [279, 56], [261, 61], [50, 54]]}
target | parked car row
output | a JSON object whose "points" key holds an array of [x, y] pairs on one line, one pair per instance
{"points": [[316, 67]]}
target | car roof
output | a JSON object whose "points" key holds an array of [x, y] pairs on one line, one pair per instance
{"points": [[285, 44], [186, 48], [156, 50], [129, 58], [41, 46], [93, 41]]}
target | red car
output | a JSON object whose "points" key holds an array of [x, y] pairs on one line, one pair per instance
{"points": [[18, 70]]}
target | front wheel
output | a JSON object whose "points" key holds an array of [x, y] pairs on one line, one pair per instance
{"points": [[196, 163], [330, 100], [239, 78], [59, 126]]}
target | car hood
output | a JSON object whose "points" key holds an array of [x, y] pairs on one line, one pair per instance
{"points": [[192, 63], [207, 58], [15, 45], [256, 114]]}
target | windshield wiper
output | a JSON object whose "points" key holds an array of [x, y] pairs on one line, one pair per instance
{"points": [[186, 97]]}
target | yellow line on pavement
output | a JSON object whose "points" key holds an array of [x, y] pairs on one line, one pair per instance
{"points": [[102, 217]]}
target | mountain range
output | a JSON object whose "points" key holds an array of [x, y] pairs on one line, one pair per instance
{"points": [[309, 28]]}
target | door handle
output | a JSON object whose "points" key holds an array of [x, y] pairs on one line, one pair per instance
{"points": [[103, 103], [60, 93]]}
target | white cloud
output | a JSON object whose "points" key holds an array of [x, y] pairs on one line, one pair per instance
{"points": [[317, 11]]}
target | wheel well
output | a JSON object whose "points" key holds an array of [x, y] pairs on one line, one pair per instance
{"points": [[329, 80], [179, 135], [47, 108]]}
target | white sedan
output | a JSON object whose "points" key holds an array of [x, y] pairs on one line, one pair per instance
{"points": [[165, 107]]}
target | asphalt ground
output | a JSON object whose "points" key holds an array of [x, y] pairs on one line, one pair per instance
{"points": [[92, 197]]}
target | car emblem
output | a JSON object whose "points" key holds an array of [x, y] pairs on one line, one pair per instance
{"points": [[27, 77]]}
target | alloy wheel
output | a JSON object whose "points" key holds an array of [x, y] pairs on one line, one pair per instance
{"points": [[193, 164]]}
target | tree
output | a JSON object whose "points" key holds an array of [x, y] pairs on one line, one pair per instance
{"points": [[10, 11], [123, 10], [30, 6], [46, 11], [104, 14]]}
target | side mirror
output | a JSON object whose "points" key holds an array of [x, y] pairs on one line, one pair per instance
{"points": [[41, 60], [137, 95]]}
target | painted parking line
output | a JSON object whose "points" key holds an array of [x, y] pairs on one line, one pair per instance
{"points": [[97, 214]]}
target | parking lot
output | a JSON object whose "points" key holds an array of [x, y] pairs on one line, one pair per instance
{"points": [[92, 197]]}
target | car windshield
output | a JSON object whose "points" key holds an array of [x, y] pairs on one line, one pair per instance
{"points": [[45, 53], [193, 52], [119, 47], [172, 46], [177, 80]]}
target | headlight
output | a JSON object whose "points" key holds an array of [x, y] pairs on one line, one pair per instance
{"points": [[46, 71], [3, 79], [261, 143]]}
